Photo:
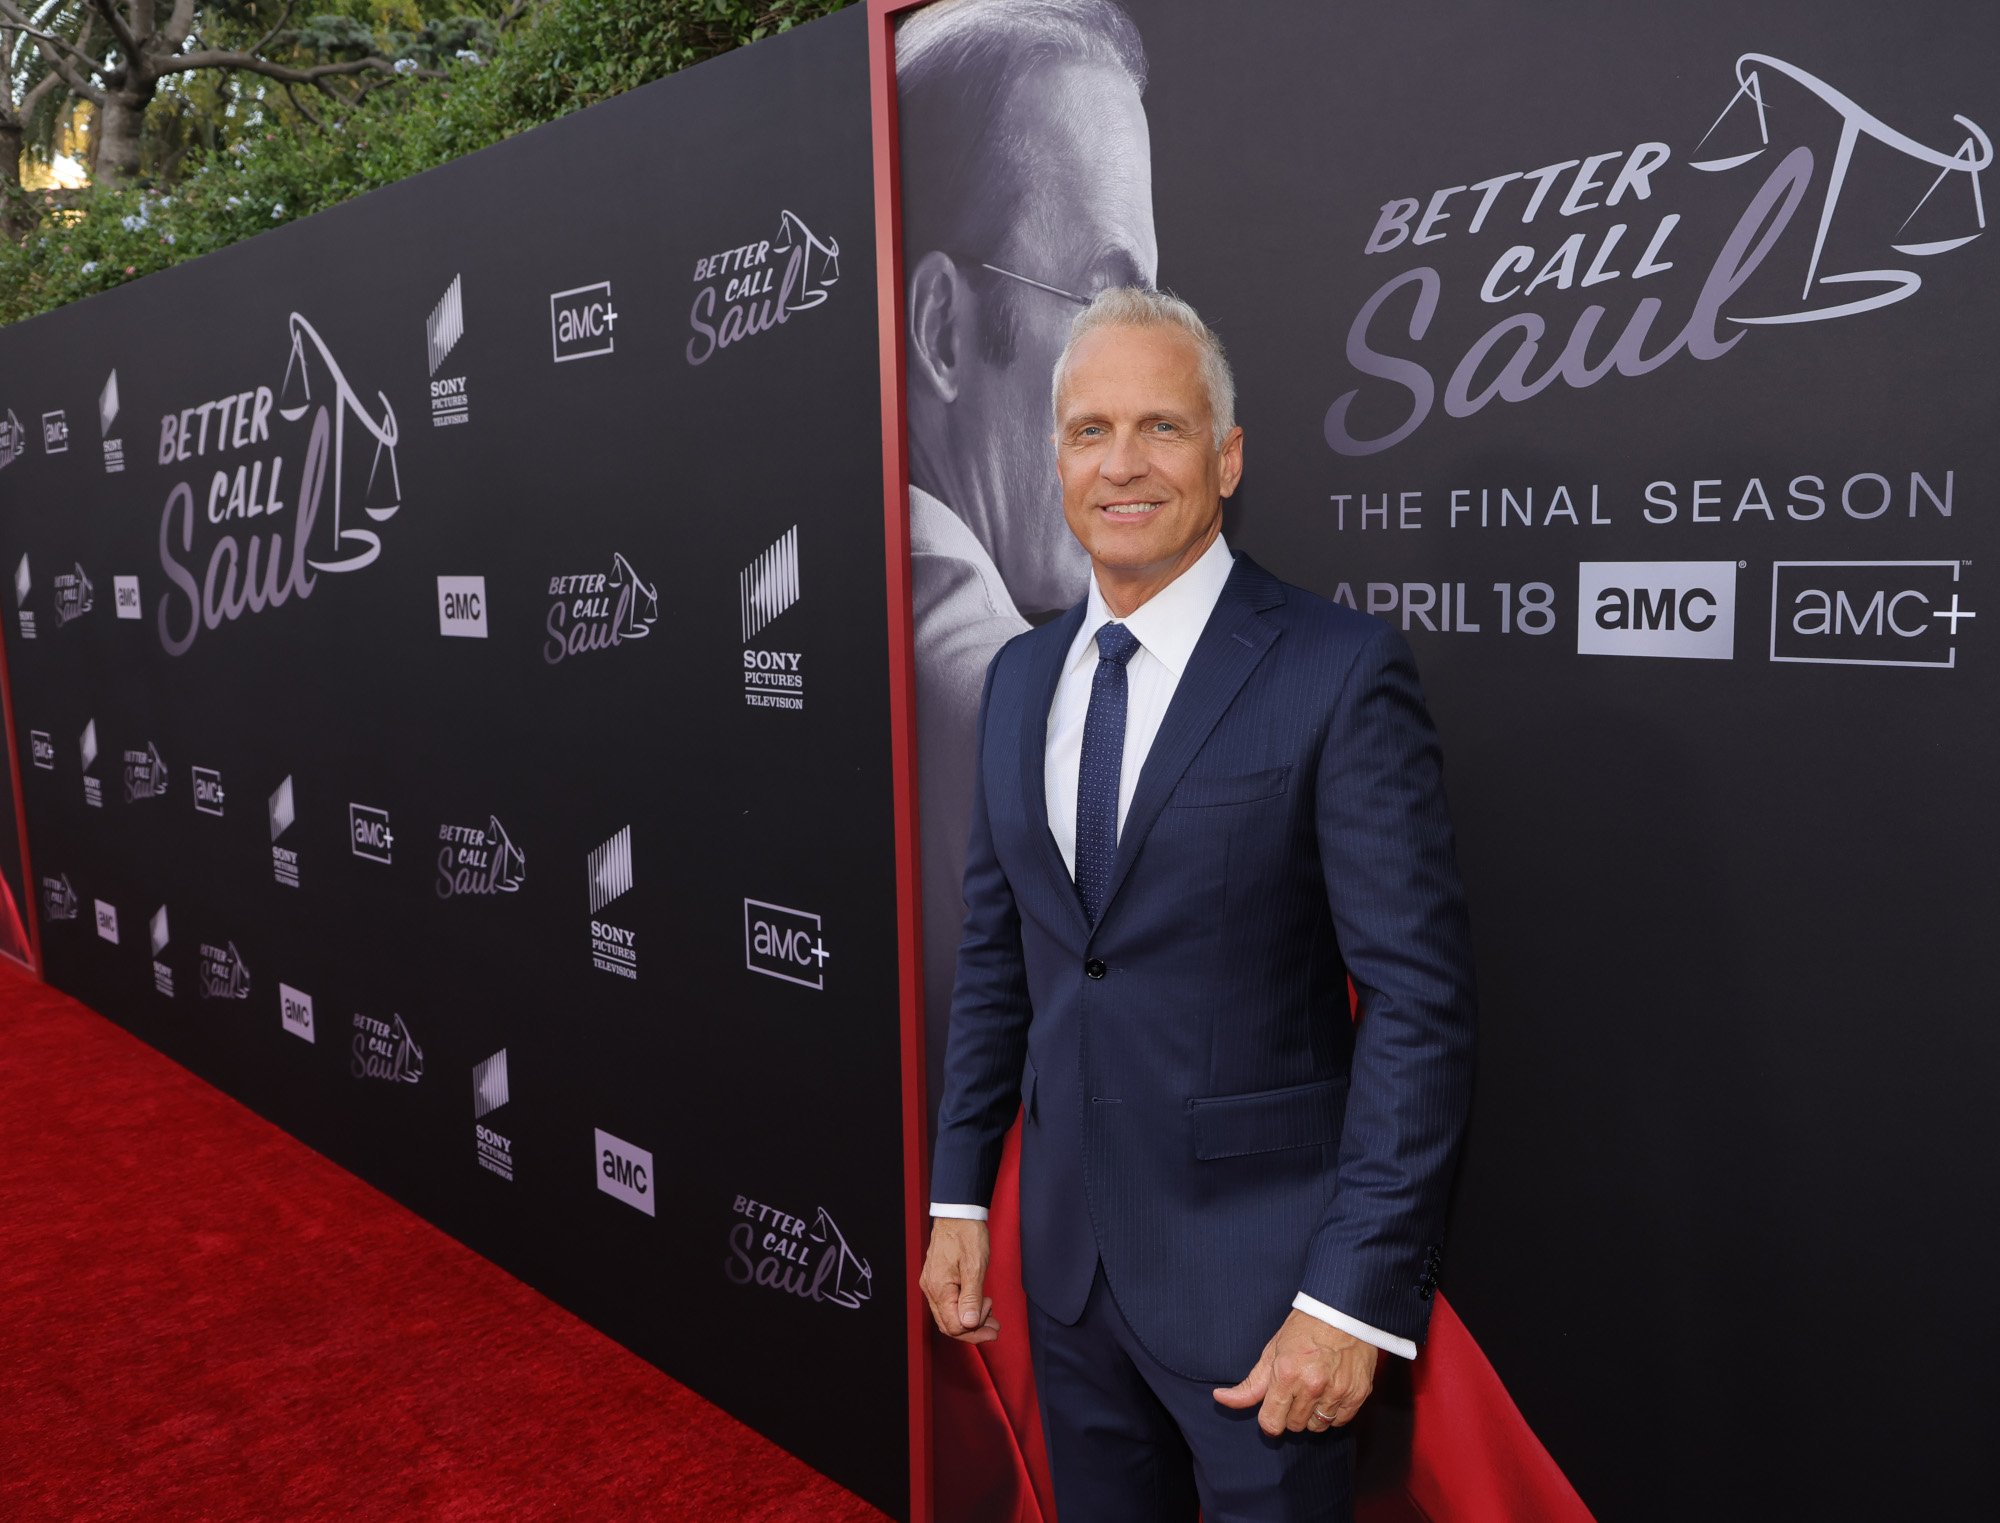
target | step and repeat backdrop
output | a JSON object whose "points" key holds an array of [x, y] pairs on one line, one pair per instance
{"points": [[447, 640], [1638, 366]]}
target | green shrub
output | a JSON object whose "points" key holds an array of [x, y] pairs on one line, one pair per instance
{"points": [[564, 56]]}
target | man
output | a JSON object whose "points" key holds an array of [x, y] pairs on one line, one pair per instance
{"points": [[1205, 801], [1027, 188]]}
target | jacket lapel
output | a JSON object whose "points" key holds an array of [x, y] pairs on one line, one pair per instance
{"points": [[1231, 646], [1054, 644]]}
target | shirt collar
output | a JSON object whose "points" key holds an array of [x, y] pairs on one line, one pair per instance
{"points": [[1170, 622]]}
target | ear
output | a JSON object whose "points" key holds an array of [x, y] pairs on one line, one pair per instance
{"points": [[938, 311], [1232, 461]]}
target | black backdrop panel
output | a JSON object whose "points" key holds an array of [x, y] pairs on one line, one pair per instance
{"points": [[492, 784], [1731, 899], [15, 909], [1703, 617]]}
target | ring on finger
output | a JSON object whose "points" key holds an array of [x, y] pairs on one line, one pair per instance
{"points": [[1325, 1417]]}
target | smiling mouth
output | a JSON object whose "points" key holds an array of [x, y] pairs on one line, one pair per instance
{"points": [[1130, 509]]}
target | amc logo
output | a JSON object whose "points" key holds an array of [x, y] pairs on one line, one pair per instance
{"points": [[295, 1009], [1685, 609], [1866, 613], [784, 943], [369, 827], [581, 321], [462, 606], [625, 1172]]}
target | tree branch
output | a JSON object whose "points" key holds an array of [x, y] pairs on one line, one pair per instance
{"points": [[46, 43], [34, 97], [250, 63], [271, 36], [181, 22], [302, 108], [108, 9]]}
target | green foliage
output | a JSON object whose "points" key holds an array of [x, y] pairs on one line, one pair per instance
{"points": [[280, 164]]}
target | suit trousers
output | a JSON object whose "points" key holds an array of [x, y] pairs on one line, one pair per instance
{"points": [[1132, 1442]]}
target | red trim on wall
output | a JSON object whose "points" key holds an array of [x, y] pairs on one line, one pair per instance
{"points": [[902, 728], [31, 910]]}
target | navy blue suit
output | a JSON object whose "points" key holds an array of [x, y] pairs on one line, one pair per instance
{"points": [[1202, 1118]]}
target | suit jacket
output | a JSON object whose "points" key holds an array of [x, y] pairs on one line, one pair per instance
{"points": [[1201, 1115]]}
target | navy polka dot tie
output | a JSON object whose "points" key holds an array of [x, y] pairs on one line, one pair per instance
{"points": [[1097, 776]]}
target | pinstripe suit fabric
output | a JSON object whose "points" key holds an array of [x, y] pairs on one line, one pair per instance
{"points": [[1202, 1118]]}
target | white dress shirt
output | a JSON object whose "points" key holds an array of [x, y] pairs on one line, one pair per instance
{"points": [[1167, 626]]}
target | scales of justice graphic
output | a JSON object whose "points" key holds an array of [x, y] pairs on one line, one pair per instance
{"points": [[354, 546], [1967, 160]]}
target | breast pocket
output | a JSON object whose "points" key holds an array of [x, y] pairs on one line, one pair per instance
{"points": [[1210, 791]]}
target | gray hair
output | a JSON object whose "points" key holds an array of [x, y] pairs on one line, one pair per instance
{"points": [[957, 62], [1132, 307]]}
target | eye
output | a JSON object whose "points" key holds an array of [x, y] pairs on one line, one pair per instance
{"points": [[1163, 427]]}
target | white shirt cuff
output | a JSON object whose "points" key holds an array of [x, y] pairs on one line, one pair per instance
{"points": [[971, 1214], [1349, 1325]]}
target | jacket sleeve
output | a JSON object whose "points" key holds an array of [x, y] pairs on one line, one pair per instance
{"points": [[1399, 913], [988, 1039]]}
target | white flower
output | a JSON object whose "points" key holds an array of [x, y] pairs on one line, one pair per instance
{"points": [[277, 210], [233, 201], [405, 66], [132, 224], [466, 55], [168, 236], [90, 267]]}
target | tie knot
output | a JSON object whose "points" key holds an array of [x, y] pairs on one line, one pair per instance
{"points": [[1116, 643]]}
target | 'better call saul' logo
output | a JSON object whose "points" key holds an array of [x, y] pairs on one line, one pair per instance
{"points": [[284, 486]]}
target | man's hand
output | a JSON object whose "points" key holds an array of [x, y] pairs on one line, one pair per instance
{"points": [[954, 1280], [1312, 1376]]}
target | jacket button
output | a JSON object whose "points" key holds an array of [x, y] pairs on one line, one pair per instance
{"points": [[1095, 967]]}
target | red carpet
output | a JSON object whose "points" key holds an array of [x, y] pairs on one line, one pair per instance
{"points": [[201, 1318]]}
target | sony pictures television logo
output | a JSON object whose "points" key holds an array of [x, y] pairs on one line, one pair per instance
{"points": [[442, 330], [582, 322], [284, 813], [776, 1250], [1867, 613], [784, 943], [1682, 609], [24, 583], [160, 935], [772, 679], [494, 1151], [613, 948], [93, 789], [386, 1050], [107, 414]]}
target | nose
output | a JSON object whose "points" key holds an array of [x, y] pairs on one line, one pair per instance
{"points": [[1125, 459]]}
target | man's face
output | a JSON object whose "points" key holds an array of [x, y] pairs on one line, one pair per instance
{"points": [[1086, 222], [1142, 477]]}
